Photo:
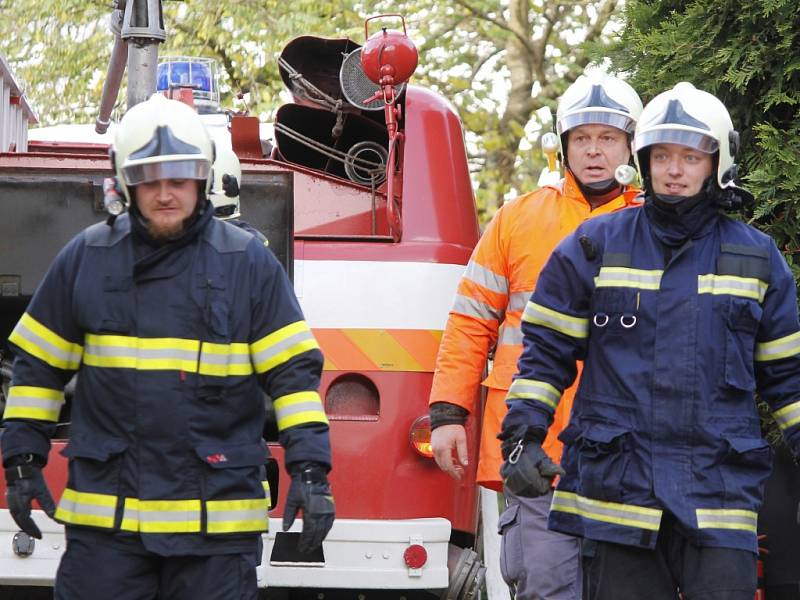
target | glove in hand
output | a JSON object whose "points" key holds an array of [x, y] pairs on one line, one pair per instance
{"points": [[311, 492], [528, 471], [24, 484]]}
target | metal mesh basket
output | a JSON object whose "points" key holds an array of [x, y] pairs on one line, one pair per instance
{"points": [[357, 87]]}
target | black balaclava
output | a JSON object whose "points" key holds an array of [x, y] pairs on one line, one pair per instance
{"points": [[676, 219]]}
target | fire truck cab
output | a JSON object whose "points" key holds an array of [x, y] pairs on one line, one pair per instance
{"points": [[375, 238]]}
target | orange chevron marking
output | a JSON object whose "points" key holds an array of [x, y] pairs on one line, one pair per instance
{"points": [[341, 354], [379, 349], [422, 344]]}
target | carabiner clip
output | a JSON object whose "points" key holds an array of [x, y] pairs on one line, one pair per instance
{"points": [[515, 453]]}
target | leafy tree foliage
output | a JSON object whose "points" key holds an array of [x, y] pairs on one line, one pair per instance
{"points": [[500, 62], [747, 53], [61, 48]]}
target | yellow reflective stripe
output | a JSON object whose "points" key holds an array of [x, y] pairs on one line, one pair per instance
{"points": [[727, 518], [298, 408], [157, 354], [282, 345], [161, 516], [83, 508], [175, 354], [29, 402], [130, 515], [641, 279], [567, 324], [788, 415], [531, 389], [745, 287], [627, 515], [225, 359], [46, 345], [267, 494], [230, 516], [783, 347]]}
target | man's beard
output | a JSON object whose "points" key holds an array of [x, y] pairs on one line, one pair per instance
{"points": [[166, 233]]}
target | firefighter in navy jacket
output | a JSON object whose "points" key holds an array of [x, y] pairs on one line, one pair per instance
{"points": [[176, 322], [681, 314]]}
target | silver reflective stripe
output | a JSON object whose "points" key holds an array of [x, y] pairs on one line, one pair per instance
{"points": [[33, 402], [77, 507], [518, 300], [726, 518], [547, 317], [486, 278], [82, 508], [627, 515], [746, 287], [288, 343], [226, 516], [530, 389], [70, 359], [283, 412], [788, 415], [781, 348], [469, 306], [109, 351], [511, 336], [171, 516], [631, 278]]}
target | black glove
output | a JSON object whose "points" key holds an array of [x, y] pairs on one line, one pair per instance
{"points": [[24, 484], [310, 491], [527, 470]]}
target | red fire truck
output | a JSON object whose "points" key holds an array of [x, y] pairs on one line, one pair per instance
{"points": [[368, 205]]}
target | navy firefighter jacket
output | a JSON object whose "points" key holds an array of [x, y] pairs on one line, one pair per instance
{"points": [[175, 350], [675, 347]]}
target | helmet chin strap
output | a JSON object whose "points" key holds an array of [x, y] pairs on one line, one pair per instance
{"points": [[598, 193], [683, 204], [598, 188]]}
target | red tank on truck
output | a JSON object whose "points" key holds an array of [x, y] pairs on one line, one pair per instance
{"points": [[362, 188]]}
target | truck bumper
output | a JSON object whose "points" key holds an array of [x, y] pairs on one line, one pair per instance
{"points": [[365, 554], [359, 554]]}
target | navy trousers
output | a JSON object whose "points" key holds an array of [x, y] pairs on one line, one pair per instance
{"points": [[107, 566], [675, 569]]}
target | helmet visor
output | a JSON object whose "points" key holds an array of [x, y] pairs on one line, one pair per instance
{"points": [[682, 137], [176, 169], [598, 117]]}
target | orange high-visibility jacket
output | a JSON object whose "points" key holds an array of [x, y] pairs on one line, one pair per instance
{"points": [[492, 294]]}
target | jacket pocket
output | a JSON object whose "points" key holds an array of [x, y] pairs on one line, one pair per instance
{"points": [[742, 321], [95, 462], [745, 465], [211, 292], [614, 311], [602, 460], [233, 471]]}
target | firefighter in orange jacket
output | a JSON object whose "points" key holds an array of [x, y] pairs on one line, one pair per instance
{"points": [[596, 117]]}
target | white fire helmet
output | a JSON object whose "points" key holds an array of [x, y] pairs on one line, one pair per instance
{"points": [[689, 117], [225, 194], [597, 98], [161, 139]]}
